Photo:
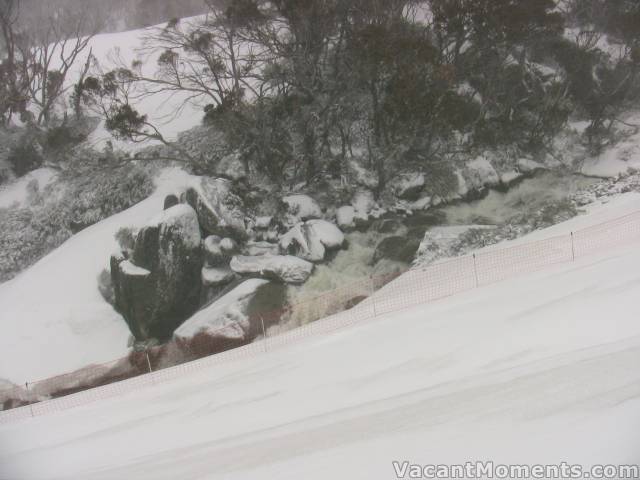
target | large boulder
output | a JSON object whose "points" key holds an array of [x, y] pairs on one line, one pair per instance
{"points": [[285, 269], [223, 324], [159, 287], [254, 249], [480, 174], [397, 249], [444, 242], [220, 210], [312, 240]]}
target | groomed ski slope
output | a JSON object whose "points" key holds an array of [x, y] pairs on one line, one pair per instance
{"points": [[542, 368]]}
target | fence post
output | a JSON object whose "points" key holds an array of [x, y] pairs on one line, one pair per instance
{"points": [[26, 384], [475, 270], [373, 296], [264, 333], [146, 353], [573, 249]]}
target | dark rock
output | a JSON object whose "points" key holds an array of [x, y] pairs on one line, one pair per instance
{"points": [[160, 287], [354, 301], [399, 249], [170, 201]]}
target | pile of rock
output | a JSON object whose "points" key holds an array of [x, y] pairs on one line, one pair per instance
{"points": [[195, 267]]}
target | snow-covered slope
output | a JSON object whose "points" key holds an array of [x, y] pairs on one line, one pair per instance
{"points": [[539, 369], [16, 194], [53, 318]]}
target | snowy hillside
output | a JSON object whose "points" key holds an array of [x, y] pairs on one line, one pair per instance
{"points": [[538, 369], [54, 310]]}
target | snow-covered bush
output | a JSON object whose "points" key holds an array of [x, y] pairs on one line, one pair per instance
{"points": [[30, 233]]}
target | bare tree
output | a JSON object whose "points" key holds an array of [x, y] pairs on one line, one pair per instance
{"points": [[12, 89], [48, 57]]}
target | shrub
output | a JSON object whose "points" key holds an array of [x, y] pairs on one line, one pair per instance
{"points": [[28, 234], [24, 158]]}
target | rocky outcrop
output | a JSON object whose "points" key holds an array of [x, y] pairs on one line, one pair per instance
{"points": [[285, 269], [219, 209], [159, 287], [312, 240]]}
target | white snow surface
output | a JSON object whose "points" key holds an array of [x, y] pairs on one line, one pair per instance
{"points": [[53, 318], [16, 194], [539, 369]]}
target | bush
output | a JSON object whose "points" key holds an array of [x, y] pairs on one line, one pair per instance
{"points": [[24, 158], [28, 234]]}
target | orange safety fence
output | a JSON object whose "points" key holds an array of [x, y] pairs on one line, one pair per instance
{"points": [[343, 307]]}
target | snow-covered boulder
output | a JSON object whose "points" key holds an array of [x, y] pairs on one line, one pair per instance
{"points": [[443, 242], [159, 286], [366, 208], [299, 208], [526, 165], [510, 177], [286, 269], [216, 277], [311, 240], [345, 217], [220, 210], [254, 249], [228, 318], [408, 186], [408, 207], [480, 174]]}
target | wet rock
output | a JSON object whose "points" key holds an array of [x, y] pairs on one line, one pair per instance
{"points": [[398, 249]]}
